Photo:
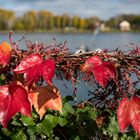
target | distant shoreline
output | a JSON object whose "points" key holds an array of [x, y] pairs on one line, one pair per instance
{"points": [[64, 32]]}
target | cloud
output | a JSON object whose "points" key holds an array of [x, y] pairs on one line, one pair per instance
{"points": [[84, 8]]}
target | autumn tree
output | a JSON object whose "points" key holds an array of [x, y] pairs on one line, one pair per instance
{"points": [[45, 20], [19, 24], [65, 21], [29, 21], [57, 21], [7, 19], [82, 23], [75, 22], [91, 22]]}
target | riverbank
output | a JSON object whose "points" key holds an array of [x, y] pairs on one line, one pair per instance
{"points": [[67, 31]]}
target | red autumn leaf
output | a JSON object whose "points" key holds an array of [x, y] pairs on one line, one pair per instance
{"points": [[43, 98], [13, 99], [122, 114], [34, 67], [129, 113], [102, 71], [5, 50], [48, 70]]}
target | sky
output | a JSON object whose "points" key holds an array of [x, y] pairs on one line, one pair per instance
{"points": [[104, 9]]}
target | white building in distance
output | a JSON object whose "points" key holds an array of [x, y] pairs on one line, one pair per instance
{"points": [[125, 26]]}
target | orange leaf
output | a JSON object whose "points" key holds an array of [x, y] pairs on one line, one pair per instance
{"points": [[43, 98], [5, 47], [5, 50]]}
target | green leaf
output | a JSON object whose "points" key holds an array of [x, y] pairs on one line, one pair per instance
{"points": [[83, 113], [115, 137], [6, 132], [32, 129], [52, 119], [130, 138], [68, 109], [27, 121], [31, 132], [113, 126], [15, 122], [92, 115], [35, 115], [82, 110], [45, 127], [62, 121], [32, 137], [124, 136], [19, 136]]}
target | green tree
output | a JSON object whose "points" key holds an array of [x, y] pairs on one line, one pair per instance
{"points": [[82, 23], [7, 19], [92, 22], [19, 25], [29, 20], [136, 22], [75, 22], [45, 20], [65, 21], [58, 21]]}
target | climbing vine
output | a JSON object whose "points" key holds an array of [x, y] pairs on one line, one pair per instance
{"points": [[31, 105]]}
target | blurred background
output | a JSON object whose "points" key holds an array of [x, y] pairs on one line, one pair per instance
{"points": [[91, 23], [87, 24]]}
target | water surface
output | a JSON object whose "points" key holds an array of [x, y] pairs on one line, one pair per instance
{"points": [[101, 40]]}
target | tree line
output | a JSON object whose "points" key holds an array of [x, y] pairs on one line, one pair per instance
{"points": [[133, 19], [45, 21]]}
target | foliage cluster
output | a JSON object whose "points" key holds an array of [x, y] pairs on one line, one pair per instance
{"points": [[26, 80]]}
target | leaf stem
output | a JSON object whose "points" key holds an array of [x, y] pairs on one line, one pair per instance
{"points": [[119, 87]]}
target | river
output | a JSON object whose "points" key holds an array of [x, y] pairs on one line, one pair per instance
{"points": [[101, 40]]}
